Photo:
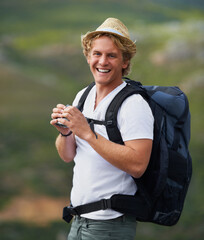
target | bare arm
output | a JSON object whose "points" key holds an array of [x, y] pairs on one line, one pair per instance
{"points": [[66, 146], [133, 157]]}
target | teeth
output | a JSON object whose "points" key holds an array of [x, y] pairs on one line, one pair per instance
{"points": [[103, 70]]}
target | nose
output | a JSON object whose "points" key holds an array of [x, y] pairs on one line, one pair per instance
{"points": [[103, 60]]}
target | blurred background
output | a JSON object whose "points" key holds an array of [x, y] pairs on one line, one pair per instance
{"points": [[41, 64]]}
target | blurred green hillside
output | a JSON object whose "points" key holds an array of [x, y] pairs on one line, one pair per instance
{"points": [[41, 64]]}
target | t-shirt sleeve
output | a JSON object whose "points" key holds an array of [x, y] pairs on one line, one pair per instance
{"points": [[135, 119]]}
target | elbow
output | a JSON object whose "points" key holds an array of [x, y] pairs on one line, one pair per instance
{"points": [[138, 173], [139, 169], [66, 158], [140, 157]]}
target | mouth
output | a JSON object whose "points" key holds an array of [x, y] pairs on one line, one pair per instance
{"points": [[103, 70]]}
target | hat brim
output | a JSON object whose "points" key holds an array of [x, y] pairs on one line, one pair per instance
{"points": [[90, 35]]}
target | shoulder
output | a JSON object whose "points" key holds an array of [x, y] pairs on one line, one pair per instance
{"points": [[135, 107], [135, 102], [134, 98], [135, 119]]}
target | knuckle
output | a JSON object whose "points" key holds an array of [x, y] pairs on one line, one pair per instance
{"points": [[55, 110], [63, 121]]}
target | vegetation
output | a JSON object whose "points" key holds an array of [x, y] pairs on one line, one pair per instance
{"points": [[41, 64]]}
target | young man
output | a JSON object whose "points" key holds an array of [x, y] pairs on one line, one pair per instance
{"points": [[103, 168]]}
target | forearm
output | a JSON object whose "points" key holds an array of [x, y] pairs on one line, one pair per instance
{"points": [[133, 157], [66, 147]]}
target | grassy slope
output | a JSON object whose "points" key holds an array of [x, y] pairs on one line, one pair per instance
{"points": [[40, 59]]}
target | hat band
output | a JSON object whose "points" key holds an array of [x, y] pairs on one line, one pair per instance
{"points": [[110, 30]]}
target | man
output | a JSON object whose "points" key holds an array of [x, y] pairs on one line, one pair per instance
{"points": [[103, 168]]}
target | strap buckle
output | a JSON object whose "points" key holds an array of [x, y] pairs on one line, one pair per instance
{"points": [[109, 123], [68, 213], [105, 204]]}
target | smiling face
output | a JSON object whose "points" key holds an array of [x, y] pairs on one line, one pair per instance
{"points": [[106, 62]]}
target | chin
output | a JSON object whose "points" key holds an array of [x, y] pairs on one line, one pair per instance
{"points": [[103, 81]]}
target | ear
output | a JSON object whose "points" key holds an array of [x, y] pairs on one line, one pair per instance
{"points": [[88, 59], [125, 64]]}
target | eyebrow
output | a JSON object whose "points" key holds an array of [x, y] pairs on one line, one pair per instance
{"points": [[109, 53]]}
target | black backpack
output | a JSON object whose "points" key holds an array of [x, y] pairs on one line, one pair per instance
{"points": [[163, 187]]}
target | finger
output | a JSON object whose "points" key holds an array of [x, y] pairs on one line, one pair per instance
{"points": [[53, 121], [58, 120], [56, 115], [72, 110], [67, 112], [67, 116], [68, 106], [63, 121], [57, 110], [61, 106], [68, 109], [60, 129]]}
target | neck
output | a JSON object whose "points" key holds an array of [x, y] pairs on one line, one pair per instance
{"points": [[103, 90]]}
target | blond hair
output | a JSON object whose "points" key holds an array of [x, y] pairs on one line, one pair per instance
{"points": [[128, 50]]}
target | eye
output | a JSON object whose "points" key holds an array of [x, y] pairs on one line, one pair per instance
{"points": [[112, 55], [96, 54]]}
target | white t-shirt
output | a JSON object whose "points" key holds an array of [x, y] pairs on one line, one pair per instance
{"points": [[95, 178]]}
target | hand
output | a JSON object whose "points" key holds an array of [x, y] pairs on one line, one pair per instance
{"points": [[57, 117], [76, 122]]}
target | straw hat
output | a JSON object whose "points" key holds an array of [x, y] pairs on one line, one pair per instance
{"points": [[113, 26]]}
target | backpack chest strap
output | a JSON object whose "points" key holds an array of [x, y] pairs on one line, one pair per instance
{"points": [[94, 121]]}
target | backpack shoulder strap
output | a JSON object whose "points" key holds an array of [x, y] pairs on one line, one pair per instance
{"points": [[84, 96], [110, 122], [112, 111]]}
